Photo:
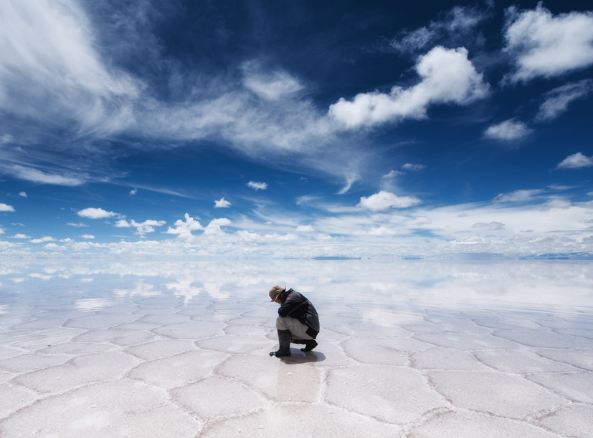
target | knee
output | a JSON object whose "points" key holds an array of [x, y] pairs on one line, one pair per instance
{"points": [[281, 323]]}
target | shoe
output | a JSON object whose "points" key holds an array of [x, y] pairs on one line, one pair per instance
{"points": [[284, 341], [309, 345]]}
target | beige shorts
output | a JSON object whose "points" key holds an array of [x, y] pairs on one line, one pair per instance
{"points": [[296, 328]]}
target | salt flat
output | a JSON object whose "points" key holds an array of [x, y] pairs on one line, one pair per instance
{"points": [[407, 349]]}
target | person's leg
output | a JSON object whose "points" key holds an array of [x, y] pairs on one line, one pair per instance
{"points": [[284, 338], [298, 331]]}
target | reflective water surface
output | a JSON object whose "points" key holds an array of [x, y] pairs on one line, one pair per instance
{"points": [[407, 348]]}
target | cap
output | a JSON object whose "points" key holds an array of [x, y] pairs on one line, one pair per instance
{"points": [[275, 291]]}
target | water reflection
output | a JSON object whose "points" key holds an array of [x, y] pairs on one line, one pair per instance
{"points": [[95, 285]]}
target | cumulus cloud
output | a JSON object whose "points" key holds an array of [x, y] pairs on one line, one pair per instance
{"points": [[6, 208], [576, 161], [133, 192], [42, 177], [20, 236], [305, 229], [96, 213], [23, 194], [257, 185], [214, 226], [43, 239], [221, 203], [88, 236], [509, 130], [183, 228], [142, 228], [446, 76], [544, 45], [454, 28], [557, 100], [384, 200]]}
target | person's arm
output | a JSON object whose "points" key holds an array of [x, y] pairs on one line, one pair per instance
{"points": [[293, 302]]}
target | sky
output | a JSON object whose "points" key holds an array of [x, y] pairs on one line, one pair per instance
{"points": [[296, 128]]}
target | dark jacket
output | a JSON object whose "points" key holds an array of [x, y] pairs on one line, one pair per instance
{"points": [[296, 305]]}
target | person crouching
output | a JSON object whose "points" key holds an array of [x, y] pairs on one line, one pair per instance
{"points": [[297, 320]]}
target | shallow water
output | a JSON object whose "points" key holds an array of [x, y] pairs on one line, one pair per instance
{"points": [[407, 348]]}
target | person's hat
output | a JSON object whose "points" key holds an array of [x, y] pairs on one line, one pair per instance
{"points": [[275, 291]]}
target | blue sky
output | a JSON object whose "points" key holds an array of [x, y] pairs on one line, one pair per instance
{"points": [[318, 128]]}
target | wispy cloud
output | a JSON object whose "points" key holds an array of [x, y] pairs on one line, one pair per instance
{"points": [[456, 27], [269, 84], [557, 100], [49, 60], [544, 45], [446, 76], [40, 176], [519, 195], [413, 166], [77, 224]]}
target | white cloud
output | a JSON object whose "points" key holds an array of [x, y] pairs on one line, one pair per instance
{"points": [[557, 100], [20, 236], [133, 192], [77, 224], [490, 226], [142, 228], [544, 45], [447, 76], [305, 229], [413, 166], [257, 185], [49, 60], [509, 130], [183, 228], [576, 161], [88, 236], [42, 177], [392, 174], [269, 85], [6, 208], [455, 27], [214, 227], [96, 213], [384, 200], [518, 195], [23, 194], [43, 239], [54, 78], [221, 203]]}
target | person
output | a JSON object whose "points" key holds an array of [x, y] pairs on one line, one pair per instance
{"points": [[297, 321]]}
